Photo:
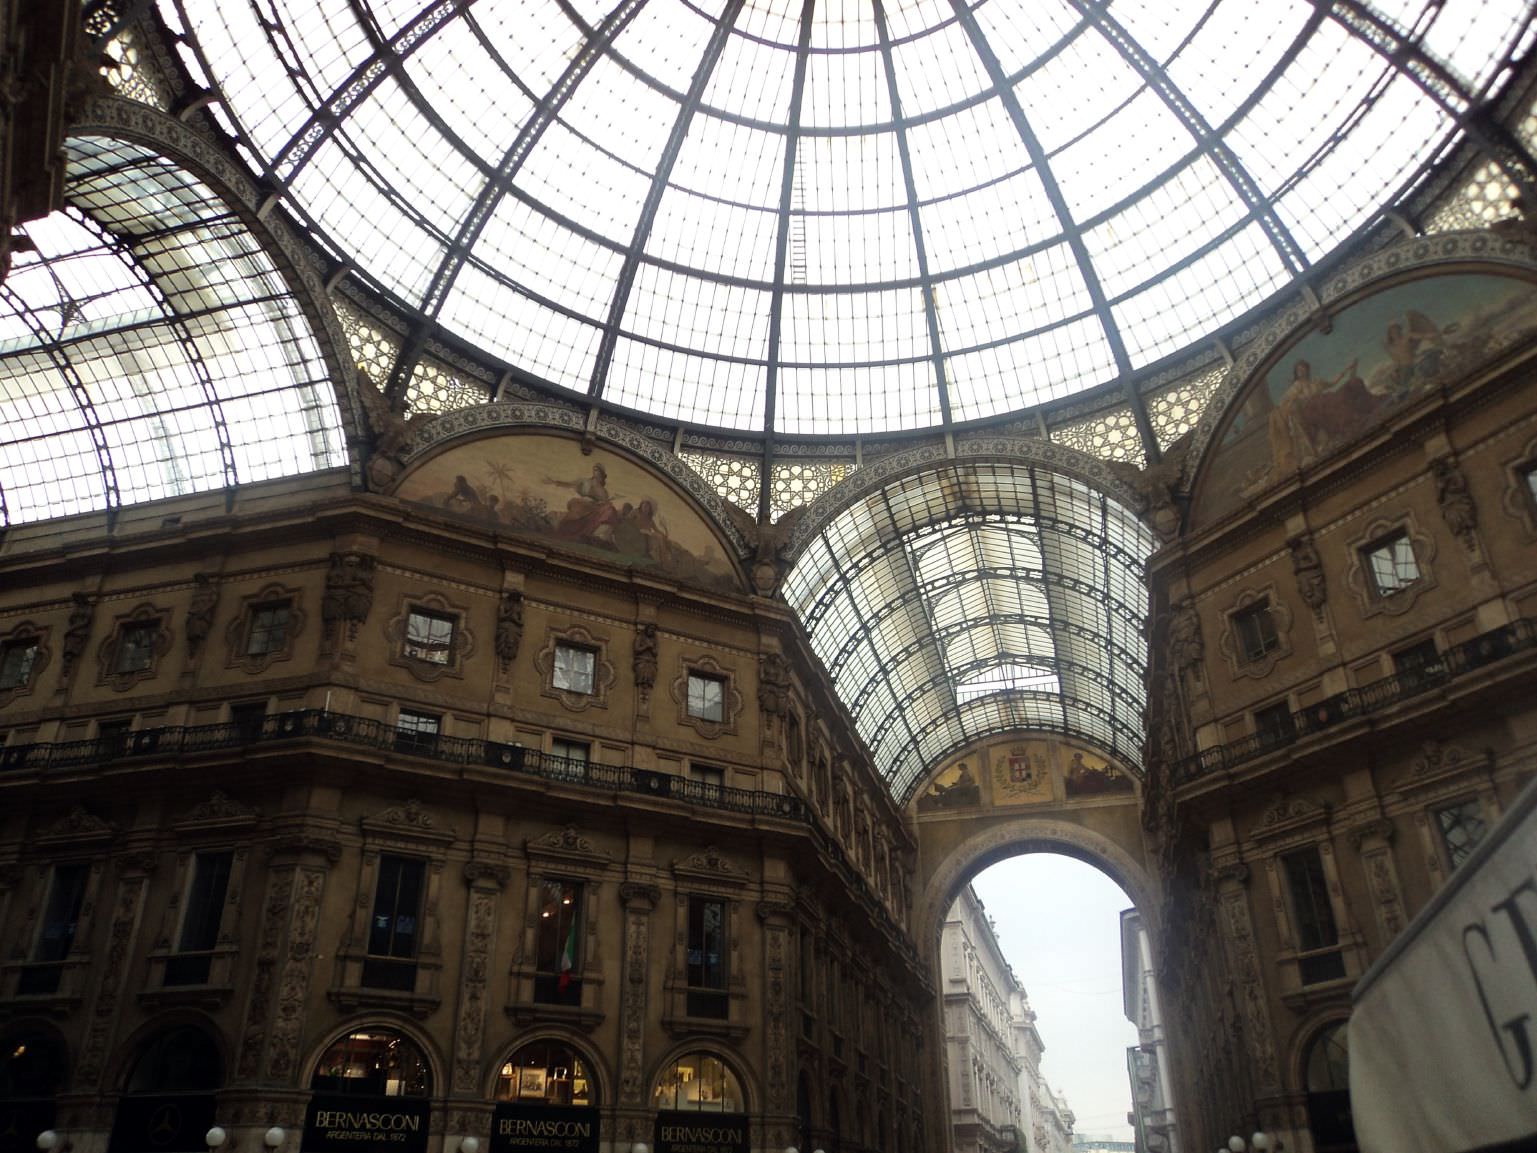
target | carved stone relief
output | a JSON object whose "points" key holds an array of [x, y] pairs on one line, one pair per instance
{"points": [[293, 978], [348, 597]]}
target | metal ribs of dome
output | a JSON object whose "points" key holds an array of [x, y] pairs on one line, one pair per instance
{"points": [[602, 293]]}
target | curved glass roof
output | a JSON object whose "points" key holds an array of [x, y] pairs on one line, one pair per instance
{"points": [[977, 599], [841, 216], [149, 348]]}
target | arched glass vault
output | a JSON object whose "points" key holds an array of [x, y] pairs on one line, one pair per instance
{"points": [[150, 348], [979, 598], [843, 217]]}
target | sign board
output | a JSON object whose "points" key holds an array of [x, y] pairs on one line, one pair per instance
{"points": [[1443, 1037], [519, 1128], [694, 1131], [347, 1123], [162, 1123]]}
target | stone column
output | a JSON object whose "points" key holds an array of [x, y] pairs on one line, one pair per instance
{"points": [[1243, 960], [779, 1120], [486, 881], [134, 869], [1374, 841]]}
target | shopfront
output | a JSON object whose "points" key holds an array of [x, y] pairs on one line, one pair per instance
{"points": [[546, 1102], [372, 1091], [700, 1108], [169, 1100]]}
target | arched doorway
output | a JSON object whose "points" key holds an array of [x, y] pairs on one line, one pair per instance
{"points": [[700, 1107], [371, 1089], [168, 1097], [32, 1068], [1326, 1077], [547, 1091]]}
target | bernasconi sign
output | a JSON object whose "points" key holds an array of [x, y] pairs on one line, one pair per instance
{"points": [[543, 1129]]}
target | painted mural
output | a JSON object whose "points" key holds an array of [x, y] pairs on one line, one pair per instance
{"points": [[1086, 775], [1021, 772], [1331, 388], [953, 788], [600, 503]]}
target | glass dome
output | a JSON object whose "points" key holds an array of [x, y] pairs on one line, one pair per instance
{"points": [[841, 216]]}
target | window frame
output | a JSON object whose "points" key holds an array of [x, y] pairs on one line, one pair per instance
{"points": [[393, 968], [1319, 960], [1389, 545], [559, 670], [32, 647], [604, 676], [1453, 856], [416, 738], [191, 962], [566, 898], [707, 984], [419, 654], [257, 629], [1253, 649], [699, 705]]}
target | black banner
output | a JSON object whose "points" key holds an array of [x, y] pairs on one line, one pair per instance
{"points": [[519, 1128], [691, 1132], [172, 1123], [346, 1123]]}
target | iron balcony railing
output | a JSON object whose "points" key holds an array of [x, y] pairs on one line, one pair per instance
{"points": [[366, 732], [1456, 662]]}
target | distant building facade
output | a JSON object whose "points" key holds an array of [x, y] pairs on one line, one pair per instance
{"points": [[1147, 1062]]}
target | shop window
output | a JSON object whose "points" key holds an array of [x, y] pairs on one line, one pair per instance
{"points": [[1461, 827], [179, 1060], [706, 697], [373, 1063], [136, 647], [1327, 1075], [267, 630], [429, 637], [1317, 934], [394, 930], [547, 1073], [700, 1083], [417, 732], [1254, 631], [201, 917], [1390, 563], [56, 936], [17, 659], [707, 951], [574, 669], [558, 943]]}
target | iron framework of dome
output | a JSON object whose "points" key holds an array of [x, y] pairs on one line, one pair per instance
{"points": [[845, 216]]}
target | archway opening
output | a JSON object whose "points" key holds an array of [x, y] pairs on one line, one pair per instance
{"points": [[168, 1099], [1049, 1014]]}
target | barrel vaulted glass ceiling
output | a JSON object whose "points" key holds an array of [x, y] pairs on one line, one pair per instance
{"points": [[149, 348], [982, 598], [841, 216]]}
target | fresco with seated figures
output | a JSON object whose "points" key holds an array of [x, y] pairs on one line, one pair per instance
{"points": [[1024, 770], [599, 503], [1330, 388]]}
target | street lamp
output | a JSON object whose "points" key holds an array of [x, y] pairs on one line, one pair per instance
{"points": [[1259, 1142], [469, 1145], [214, 1137], [273, 1137]]}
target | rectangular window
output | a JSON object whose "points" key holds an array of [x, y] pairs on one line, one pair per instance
{"points": [[16, 661], [429, 637], [112, 737], [61, 916], [706, 697], [1273, 724], [707, 958], [569, 759], [558, 944], [1254, 630], [136, 647], [1313, 915], [200, 920], [705, 783], [394, 932], [417, 732], [268, 632], [248, 720], [1418, 663], [575, 668], [1462, 827], [1391, 564]]}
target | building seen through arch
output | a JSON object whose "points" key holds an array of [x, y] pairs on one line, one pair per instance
{"points": [[541, 545]]}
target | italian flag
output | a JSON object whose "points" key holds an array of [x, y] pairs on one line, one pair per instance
{"points": [[568, 957]]}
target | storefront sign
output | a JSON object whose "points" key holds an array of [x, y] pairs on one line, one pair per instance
{"points": [[543, 1129], [695, 1132], [172, 1123], [339, 1123]]}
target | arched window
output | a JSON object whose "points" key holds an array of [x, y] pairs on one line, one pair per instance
{"points": [[547, 1072], [168, 1095], [1327, 1075], [702, 1083], [31, 1071], [374, 1063]]}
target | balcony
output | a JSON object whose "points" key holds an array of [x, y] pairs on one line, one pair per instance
{"points": [[1456, 663]]}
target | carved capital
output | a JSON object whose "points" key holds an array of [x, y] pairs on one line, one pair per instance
{"points": [[301, 844], [485, 874], [642, 895], [782, 912], [1380, 828], [1236, 872]]}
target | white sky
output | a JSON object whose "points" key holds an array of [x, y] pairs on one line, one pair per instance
{"points": [[1058, 921]]}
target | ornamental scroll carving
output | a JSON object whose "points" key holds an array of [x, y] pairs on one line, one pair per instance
{"points": [[294, 976], [1251, 994], [120, 946], [775, 918], [470, 1031], [253, 1036], [639, 900]]}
